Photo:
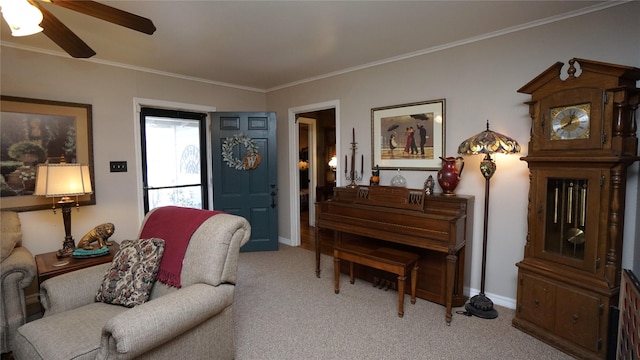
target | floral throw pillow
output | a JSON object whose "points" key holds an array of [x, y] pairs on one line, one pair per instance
{"points": [[132, 273]]}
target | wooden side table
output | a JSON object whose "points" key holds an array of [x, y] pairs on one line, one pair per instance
{"points": [[49, 265]]}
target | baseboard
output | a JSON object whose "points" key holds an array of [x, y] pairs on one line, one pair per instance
{"points": [[284, 240], [503, 301]]}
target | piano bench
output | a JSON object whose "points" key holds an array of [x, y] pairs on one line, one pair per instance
{"points": [[394, 261]]}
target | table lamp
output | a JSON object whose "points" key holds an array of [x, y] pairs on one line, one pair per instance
{"points": [[63, 181], [486, 142]]}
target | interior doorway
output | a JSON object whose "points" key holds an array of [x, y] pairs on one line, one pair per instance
{"points": [[317, 147], [315, 130]]}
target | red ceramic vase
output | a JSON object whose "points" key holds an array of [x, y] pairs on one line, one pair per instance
{"points": [[449, 175]]}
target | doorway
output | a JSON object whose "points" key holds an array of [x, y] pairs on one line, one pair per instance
{"points": [[316, 128], [244, 153]]}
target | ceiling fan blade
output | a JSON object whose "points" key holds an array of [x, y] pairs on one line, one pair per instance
{"points": [[109, 14], [63, 36]]}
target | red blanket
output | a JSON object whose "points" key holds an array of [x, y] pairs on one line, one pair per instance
{"points": [[174, 225]]}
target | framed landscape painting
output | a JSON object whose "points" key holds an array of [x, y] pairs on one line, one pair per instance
{"points": [[408, 136], [34, 132]]}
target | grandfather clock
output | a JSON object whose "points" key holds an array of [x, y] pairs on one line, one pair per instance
{"points": [[583, 139]]}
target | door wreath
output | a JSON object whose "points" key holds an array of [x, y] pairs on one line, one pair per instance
{"points": [[251, 159]]}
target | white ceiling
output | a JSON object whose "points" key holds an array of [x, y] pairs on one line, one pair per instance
{"points": [[265, 45]]}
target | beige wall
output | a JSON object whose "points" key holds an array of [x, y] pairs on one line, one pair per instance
{"points": [[478, 80], [111, 92]]}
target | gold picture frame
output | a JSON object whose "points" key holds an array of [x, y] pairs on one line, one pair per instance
{"points": [[392, 138], [36, 131]]}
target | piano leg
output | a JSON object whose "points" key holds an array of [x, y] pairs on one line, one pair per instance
{"points": [[452, 259], [414, 282], [336, 274], [336, 240], [352, 278]]}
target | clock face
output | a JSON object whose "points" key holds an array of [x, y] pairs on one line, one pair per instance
{"points": [[570, 122]]}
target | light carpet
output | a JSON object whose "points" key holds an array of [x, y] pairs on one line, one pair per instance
{"points": [[283, 311]]}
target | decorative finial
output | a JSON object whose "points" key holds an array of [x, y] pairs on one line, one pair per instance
{"points": [[572, 69]]}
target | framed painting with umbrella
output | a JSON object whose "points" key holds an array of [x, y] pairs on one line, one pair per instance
{"points": [[408, 136]]}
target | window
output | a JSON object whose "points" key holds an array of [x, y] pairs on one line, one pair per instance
{"points": [[174, 166]]}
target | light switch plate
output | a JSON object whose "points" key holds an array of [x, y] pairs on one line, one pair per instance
{"points": [[118, 166]]}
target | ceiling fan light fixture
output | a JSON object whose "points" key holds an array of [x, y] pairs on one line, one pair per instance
{"points": [[23, 18]]}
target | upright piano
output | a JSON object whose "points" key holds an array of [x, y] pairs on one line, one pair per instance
{"points": [[436, 227]]}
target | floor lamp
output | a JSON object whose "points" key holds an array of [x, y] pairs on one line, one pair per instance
{"points": [[63, 181], [486, 142]]}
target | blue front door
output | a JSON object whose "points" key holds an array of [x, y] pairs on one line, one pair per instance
{"points": [[248, 188]]}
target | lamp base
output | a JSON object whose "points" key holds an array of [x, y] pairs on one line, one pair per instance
{"points": [[482, 307], [68, 246]]}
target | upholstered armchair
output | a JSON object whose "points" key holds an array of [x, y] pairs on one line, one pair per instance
{"points": [[17, 269], [192, 321]]}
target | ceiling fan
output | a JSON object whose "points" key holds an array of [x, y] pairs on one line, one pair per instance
{"points": [[59, 33]]}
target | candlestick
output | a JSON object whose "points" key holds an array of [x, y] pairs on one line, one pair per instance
{"points": [[353, 163], [352, 175]]}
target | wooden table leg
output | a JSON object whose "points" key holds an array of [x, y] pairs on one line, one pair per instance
{"points": [[401, 283], [414, 282]]}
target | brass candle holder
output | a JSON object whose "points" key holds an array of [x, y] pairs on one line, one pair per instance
{"points": [[353, 176]]}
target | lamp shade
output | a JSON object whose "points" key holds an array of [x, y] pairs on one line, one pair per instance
{"points": [[489, 142], [333, 163], [57, 180]]}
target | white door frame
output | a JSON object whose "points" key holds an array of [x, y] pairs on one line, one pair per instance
{"points": [[294, 173], [313, 167], [138, 103]]}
